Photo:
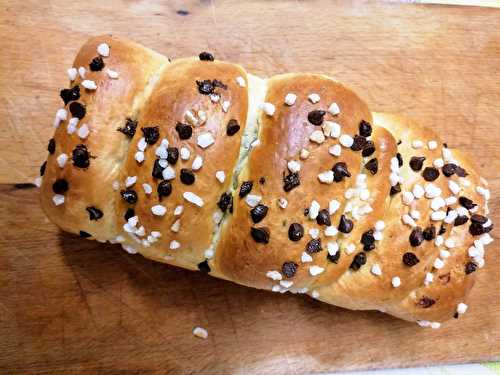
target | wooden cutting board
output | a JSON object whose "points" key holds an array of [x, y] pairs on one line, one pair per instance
{"points": [[73, 306]]}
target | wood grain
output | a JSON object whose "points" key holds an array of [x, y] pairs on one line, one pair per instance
{"points": [[73, 306]]}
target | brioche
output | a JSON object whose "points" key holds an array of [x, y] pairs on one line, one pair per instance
{"points": [[289, 183]]}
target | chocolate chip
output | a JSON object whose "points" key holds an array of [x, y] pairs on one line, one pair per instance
{"points": [[225, 201], [129, 196], [289, 269], [291, 181], [400, 159], [455, 316], [316, 117], [417, 162], [314, 246], [77, 110], [395, 189], [232, 127], [358, 143], [340, 171], [97, 64], [334, 258], [81, 156], [204, 267], [430, 173], [426, 302], [429, 233], [449, 169], [206, 56], [410, 259], [60, 186], [476, 218], [157, 170], [460, 220], [368, 240], [358, 261], [262, 180], [205, 87], [51, 147], [323, 218], [365, 128], [470, 267], [258, 213], [416, 237], [295, 232], [245, 188], [42, 168], [345, 225], [466, 203], [187, 176], [185, 131], [129, 128], [151, 134], [442, 229], [368, 150], [306, 211], [94, 213], [84, 234], [461, 172], [68, 95], [164, 189], [172, 155], [372, 166], [218, 83], [129, 213], [260, 235], [476, 229]]}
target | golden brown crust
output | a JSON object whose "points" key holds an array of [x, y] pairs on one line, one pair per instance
{"points": [[368, 271]]}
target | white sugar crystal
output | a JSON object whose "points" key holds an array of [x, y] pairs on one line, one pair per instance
{"points": [[185, 153], [429, 278], [346, 140], [380, 225], [139, 156], [205, 140], [444, 254], [451, 200], [432, 145], [89, 85], [378, 235], [58, 199], [140, 232], [38, 181], [197, 163], [316, 270], [62, 159], [193, 198], [407, 197], [158, 210], [350, 248], [376, 270], [450, 243], [255, 143], [174, 245], [437, 203], [438, 163], [178, 210], [147, 188], [334, 129], [72, 123], [331, 231], [408, 220], [314, 210], [103, 49], [364, 194], [314, 232], [394, 179], [332, 247], [268, 109], [62, 114], [439, 240], [176, 226], [225, 105], [112, 74], [415, 214], [290, 98], [446, 154], [432, 191], [163, 163], [164, 143], [435, 325], [416, 144], [214, 97], [418, 191], [168, 173], [130, 180], [335, 150], [461, 308], [209, 253], [438, 215], [217, 216], [451, 216], [161, 152], [129, 249], [306, 258], [83, 131], [274, 275], [282, 202], [293, 166], [240, 81], [334, 109], [253, 200], [142, 144], [304, 154], [454, 187], [72, 73], [315, 294], [317, 136], [82, 71], [396, 282], [326, 177], [220, 176], [333, 206], [438, 264], [314, 98]]}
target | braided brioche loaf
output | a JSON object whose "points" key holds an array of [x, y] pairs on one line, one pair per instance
{"points": [[287, 184]]}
